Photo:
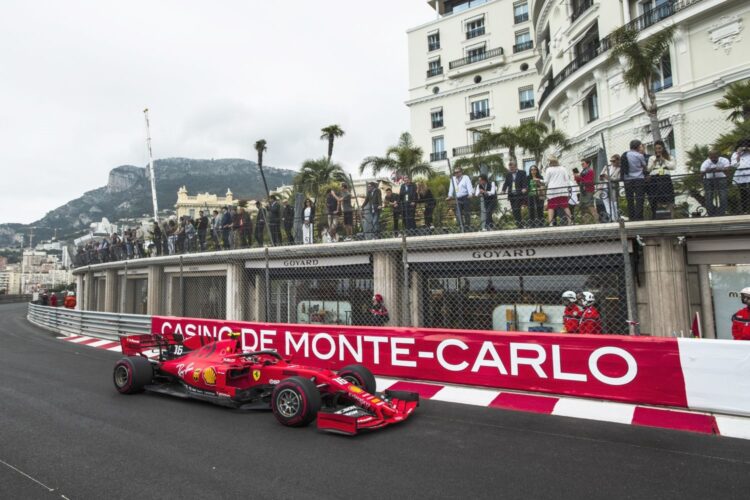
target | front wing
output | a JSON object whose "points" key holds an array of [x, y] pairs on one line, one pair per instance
{"points": [[353, 419]]}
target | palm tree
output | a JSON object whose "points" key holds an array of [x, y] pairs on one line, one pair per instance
{"points": [[405, 159], [330, 133], [507, 137], [260, 147], [316, 173], [737, 100], [642, 61], [536, 139], [493, 165]]}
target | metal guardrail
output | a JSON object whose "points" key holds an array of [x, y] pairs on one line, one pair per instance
{"points": [[9, 299], [107, 326]]}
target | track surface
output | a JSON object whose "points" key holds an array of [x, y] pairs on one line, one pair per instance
{"points": [[64, 428]]}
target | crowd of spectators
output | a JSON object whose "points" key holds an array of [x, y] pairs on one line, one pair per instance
{"points": [[551, 196]]}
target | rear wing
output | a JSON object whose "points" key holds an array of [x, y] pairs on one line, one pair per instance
{"points": [[134, 345]]}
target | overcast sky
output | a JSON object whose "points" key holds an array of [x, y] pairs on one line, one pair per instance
{"points": [[75, 77]]}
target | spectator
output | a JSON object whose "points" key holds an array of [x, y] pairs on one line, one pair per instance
{"points": [[517, 186], [610, 191], [53, 299], [573, 191], [558, 184], [70, 301], [216, 230], [287, 215], [659, 185], [424, 195], [274, 220], [181, 235], [407, 199], [346, 208], [45, 299], [486, 191], [226, 227], [172, 236], [572, 314], [260, 223], [378, 312], [462, 189], [332, 209], [104, 250], [585, 180], [189, 235], [236, 240], [741, 319], [156, 235], [391, 200], [371, 211], [202, 229], [308, 215], [741, 161], [633, 171], [246, 229], [537, 193], [714, 175], [591, 320]]}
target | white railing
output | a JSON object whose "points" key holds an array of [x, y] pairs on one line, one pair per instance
{"points": [[110, 326]]}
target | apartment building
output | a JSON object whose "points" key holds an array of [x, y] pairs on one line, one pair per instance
{"points": [[483, 64], [471, 69]]}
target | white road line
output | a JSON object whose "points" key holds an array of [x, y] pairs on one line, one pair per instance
{"points": [[79, 339], [116, 348], [99, 343], [736, 427], [466, 395], [27, 476], [384, 383], [595, 410]]}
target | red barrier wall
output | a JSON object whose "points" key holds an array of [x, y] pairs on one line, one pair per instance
{"points": [[635, 370]]}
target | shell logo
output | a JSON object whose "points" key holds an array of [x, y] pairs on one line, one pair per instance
{"points": [[209, 375], [355, 389]]}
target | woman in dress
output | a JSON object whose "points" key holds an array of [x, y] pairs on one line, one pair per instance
{"points": [[307, 222], [659, 188], [558, 189], [537, 192]]}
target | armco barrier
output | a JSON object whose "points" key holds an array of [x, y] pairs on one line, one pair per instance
{"points": [[95, 324]]}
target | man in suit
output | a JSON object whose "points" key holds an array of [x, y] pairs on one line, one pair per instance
{"points": [[407, 197], [371, 211], [517, 186], [274, 220]]}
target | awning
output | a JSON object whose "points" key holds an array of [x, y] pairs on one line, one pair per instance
{"points": [[648, 138]]}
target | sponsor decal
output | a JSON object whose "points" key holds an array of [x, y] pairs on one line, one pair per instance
{"points": [[197, 375], [355, 389], [209, 375], [256, 375], [273, 381], [375, 400], [183, 369]]}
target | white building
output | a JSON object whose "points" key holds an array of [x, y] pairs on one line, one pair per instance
{"points": [[471, 69], [466, 71]]}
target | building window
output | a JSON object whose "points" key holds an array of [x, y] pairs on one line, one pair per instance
{"points": [[591, 105], [433, 41], [480, 109], [520, 12], [527, 164], [438, 149], [523, 41], [437, 118], [475, 135], [475, 28], [526, 97], [434, 68], [476, 54], [579, 7], [663, 74]]}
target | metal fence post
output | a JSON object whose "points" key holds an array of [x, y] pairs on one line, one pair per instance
{"points": [[406, 299], [182, 290], [633, 326], [267, 300]]}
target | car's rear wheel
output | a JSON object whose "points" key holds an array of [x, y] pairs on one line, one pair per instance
{"points": [[132, 374], [359, 376], [295, 401]]}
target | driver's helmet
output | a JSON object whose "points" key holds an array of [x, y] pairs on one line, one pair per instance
{"points": [[569, 296], [745, 295], [587, 299]]}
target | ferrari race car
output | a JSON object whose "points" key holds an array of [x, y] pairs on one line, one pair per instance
{"points": [[221, 373]]}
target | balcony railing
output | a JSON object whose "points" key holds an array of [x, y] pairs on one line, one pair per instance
{"points": [[463, 151], [440, 155], [479, 114], [521, 18], [582, 7], [434, 72], [475, 33], [487, 54], [640, 23], [520, 47]]}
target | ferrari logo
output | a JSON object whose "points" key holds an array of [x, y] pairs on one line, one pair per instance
{"points": [[197, 375], [209, 375], [256, 375]]}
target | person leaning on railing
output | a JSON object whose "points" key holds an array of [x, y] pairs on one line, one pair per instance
{"points": [[714, 175], [741, 162], [558, 182], [659, 187], [610, 191]]}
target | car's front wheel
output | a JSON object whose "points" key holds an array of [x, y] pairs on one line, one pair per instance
{"points": [[295, 401], [359, 376], [132, 374]]}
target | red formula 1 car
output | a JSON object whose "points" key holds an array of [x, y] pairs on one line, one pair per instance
{"points": [[219, 372]]}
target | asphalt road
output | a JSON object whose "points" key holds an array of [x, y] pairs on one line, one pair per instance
{"points": [[66, 433]]}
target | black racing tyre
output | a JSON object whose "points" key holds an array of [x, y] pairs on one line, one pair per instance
{"points": [[295, 401], [359, 376], [132, 374]]}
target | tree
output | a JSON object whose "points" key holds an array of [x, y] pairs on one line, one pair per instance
{"points": [[403, 159], [330, 133], [737, 100], [641, 63], [492, 165], [507, 137], [536, 139], [260, 147], [316, 173], [692, 183]]}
